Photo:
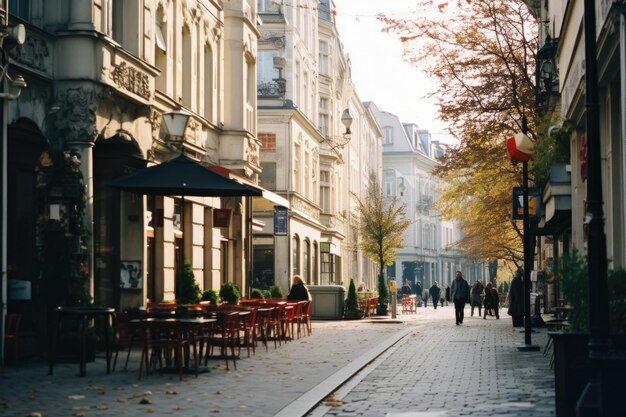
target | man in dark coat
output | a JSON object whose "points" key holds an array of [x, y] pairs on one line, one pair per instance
{"points": [[516, 300], [459, 292], [434, 292]]}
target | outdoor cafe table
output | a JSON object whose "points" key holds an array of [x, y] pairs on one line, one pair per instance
{"points": [[84, 315], [186, 330]]}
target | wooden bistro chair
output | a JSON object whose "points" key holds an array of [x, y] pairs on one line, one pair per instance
{"points": [[167, 340], [223, 335], [12, 335]]}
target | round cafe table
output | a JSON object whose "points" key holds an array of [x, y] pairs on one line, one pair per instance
{"points": [[83, 314]]}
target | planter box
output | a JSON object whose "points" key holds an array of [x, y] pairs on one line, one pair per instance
{"points": [[571, 368]]}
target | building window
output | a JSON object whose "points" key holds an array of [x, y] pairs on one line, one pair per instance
{"points": [[324, 116], [160, 51], [20, 8], [268, 6], [307, 178], [268, 142], [266, 72], [295, 255], [187, 76], [208, 83], [387, 135], [296, 168], [267, 177], [324, 58], [325, 191], [315, 265], [306, 268]]}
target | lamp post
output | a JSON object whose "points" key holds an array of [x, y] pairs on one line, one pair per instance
{"points": [[600, 397], [520, 149], [10, 89]]}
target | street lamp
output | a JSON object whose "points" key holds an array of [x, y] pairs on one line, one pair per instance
{"points": [[601, 397], [10, 89]]}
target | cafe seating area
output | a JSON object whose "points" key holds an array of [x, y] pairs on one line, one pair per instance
{"points": [[182, 339]]}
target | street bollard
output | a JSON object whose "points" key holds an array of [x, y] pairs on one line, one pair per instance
{"points": [[393, 293]]}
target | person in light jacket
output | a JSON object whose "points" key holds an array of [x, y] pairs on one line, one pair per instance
{"points": [[459, 292]]}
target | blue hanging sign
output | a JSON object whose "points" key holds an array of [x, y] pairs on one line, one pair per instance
{"points": [[280, 221]]}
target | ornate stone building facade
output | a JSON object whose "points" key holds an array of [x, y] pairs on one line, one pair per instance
{"points": [[304, 88], [100, 76]]}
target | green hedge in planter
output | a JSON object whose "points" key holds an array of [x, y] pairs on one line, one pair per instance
{"points": [[572, 270]]}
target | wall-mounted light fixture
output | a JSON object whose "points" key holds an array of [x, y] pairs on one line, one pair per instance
{"points": [[344, 138], [10, 37], [547, 83], [175, 124]]}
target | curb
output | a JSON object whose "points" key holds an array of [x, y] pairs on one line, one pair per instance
{"points": [[310, 399]]}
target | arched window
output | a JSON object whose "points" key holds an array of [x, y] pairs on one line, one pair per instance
{"points": [[306, 267], [315, 265], [295, 255]]}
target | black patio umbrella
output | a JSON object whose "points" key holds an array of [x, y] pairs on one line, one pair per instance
{"points": [[182, 176]]}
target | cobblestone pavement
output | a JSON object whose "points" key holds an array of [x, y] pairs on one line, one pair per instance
{"points": [[441, 369], [260, 386], [432, 365]]}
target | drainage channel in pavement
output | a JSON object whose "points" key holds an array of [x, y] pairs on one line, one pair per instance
{"points": [[349, 378]]}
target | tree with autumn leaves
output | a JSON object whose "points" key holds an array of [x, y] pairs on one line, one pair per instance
{"points": [[482, 54], [382, 223]]}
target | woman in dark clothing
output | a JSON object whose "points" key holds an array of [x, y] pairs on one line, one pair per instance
{"points": [[516, 300], [298, 291], [492, 300], [476, 300]]}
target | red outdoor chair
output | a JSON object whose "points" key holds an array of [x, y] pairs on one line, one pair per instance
{"points": [[12, 334]]}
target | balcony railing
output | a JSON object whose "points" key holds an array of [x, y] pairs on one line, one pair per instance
{"points": [[269, 89]]}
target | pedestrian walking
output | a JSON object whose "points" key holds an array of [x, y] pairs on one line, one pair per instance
{"points": [[406, 289], [434, 293], [515, 299], [475, 299], [425, 298], [418, 294], [492, 301], [459, 291]]}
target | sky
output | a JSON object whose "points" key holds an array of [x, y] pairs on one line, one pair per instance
{"points": [[379, 72]]}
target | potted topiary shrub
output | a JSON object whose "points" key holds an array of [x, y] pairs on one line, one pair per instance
{"points": [[352, 311], [187, 291], [256, 293], [383, 296], [229, 293], [275, 292], [211, 296]]}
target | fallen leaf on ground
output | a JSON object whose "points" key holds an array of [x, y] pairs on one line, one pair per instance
{"points": [[76, 397], [145, 401]]}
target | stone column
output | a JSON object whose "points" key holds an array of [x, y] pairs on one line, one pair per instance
{"points": [[81, 15], [76, 124], [85, 152]]}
